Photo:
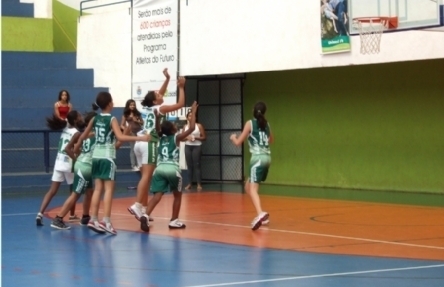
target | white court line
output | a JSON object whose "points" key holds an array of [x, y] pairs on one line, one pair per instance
{"points": [[322, 275], [19, 214], [327, 235], [282, 231]]}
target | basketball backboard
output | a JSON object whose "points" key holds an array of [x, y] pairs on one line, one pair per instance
{"points": [[411, 13]]}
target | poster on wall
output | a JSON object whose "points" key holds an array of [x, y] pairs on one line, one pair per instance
{"points": [[335, 36], [154, 47]]}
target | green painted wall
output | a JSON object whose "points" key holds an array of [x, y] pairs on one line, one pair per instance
{"points": [[42, 35], [65, 27], [362, 127], [27, 34]]}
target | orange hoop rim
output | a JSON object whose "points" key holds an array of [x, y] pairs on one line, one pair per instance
{"points": [[371, 19]]}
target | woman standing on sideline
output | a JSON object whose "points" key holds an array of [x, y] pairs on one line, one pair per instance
{"points": [[193, 152], [62, 107], [259, 136], [132, 117]]}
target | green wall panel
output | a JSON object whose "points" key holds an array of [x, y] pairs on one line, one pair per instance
{"points": [[65, 27], [362, 127], [27, 34]]}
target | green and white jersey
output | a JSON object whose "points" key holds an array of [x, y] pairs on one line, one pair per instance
{"points": [[168, 151], [87, 148], [105, 140], [63, 161], [258, 139], [149, 122]]}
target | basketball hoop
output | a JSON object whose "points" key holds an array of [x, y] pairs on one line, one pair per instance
{"points": [[370, 30]]}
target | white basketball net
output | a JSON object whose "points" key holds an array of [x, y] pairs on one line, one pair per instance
{"points": [[370, 31]]}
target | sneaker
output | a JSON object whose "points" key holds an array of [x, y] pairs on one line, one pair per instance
{"points": [[108, 227], [144, 223], [74, 218], [95, 226], [135, 211], [85, 219], [257, 221], [176, 224], [135, 168], [266, 222], [58, 223], [39, 219], [144, 213]]}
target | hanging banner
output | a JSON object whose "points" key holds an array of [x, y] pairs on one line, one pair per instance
{"points": [[335, 36], [154, 47]]}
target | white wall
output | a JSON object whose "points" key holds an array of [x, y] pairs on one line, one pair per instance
{"points": [[104, 44], [75, 4], [234, 36], [230, 36], [42, 8]]}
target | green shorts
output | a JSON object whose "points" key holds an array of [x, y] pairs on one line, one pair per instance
{"points": [[166, 177], [82, 177], [103, 168], [259, 165]]}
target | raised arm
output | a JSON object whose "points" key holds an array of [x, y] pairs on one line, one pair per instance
{"points": [[164, 87], [180, 137], [181, 101], [237, 141]]}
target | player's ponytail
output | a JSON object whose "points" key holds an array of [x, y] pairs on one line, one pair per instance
{"points": [[55, 123], [149, 99], [259, 114]]}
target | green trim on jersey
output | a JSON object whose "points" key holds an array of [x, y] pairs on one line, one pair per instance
{"points": [[105, 139], [258, 139]]}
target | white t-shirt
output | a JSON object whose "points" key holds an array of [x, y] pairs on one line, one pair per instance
{"points": [[194, 134]]}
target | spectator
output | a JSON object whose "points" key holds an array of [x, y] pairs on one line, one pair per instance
{"points": [[62, 107], [132, 117], [193, 152]]}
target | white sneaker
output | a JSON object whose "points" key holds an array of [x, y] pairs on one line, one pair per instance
{"points": [[258, 220], [95, 226], [266, 222], [176, 224], [134, 210], [135, 168], [108, 227]]}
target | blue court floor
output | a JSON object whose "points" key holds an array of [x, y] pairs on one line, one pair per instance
{"points": [[42, 256]]}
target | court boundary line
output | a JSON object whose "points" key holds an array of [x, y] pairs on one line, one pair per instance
{"points": [[328, 235], [270, 229], [321, 275]]}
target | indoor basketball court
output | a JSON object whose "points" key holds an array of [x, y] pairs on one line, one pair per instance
{"points": [[341, 241]]}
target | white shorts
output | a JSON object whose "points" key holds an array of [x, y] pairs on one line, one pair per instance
{"points": [[60, 176], [146, 153]]}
